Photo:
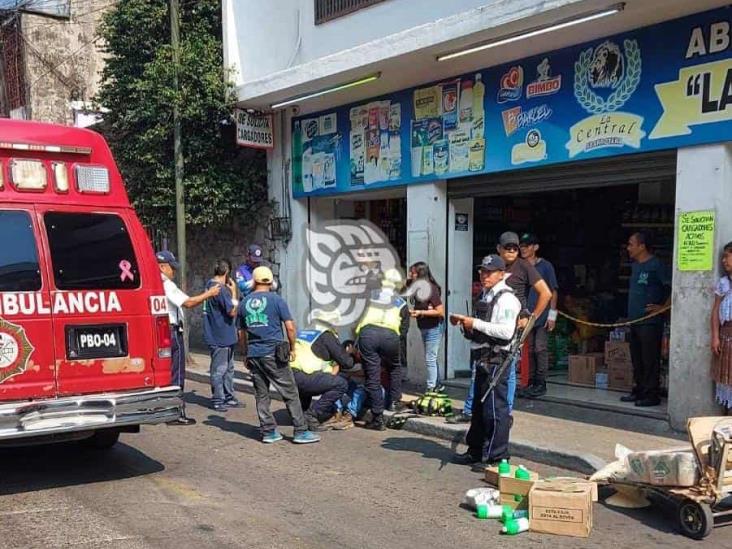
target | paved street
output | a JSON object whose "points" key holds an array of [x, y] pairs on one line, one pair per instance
{"points": [[215, 485]]}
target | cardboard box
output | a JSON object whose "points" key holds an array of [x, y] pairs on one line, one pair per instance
{"points": [[491, 474], [582, 368], [620, 376], [617, 352], [515, 486], [562, 507], [513, 503]]}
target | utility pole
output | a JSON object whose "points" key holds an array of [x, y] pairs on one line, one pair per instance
{"points": [[180, 205]]}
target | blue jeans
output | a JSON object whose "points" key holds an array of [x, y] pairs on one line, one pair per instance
{"points": [[431, 337], [468, 407], [356, 398], [222, 374]]}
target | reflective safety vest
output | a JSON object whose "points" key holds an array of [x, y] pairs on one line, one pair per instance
{"points": [[386, 315], [305, 360]]}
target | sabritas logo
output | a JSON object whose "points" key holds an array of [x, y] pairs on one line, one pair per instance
{"points": [[544, 83]]}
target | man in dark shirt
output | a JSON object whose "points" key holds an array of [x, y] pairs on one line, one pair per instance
{"points": [[521, 277], [219, 333], [538, 338], [649, 291], [261, 316], [319, 357]]}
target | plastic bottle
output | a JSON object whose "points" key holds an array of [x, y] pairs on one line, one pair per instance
{"points": [[490, 511], [522, 473], [504, 469], [513, 527], [509, 514], [478, 109], [466, 101]]}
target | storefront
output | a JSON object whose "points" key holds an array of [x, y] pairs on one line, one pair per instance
{"points": [[581, 146]]}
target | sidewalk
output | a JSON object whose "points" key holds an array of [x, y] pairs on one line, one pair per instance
{"points": [[558, 435]]}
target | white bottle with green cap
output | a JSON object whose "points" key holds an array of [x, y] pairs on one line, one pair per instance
{"points": [[516, 526]]}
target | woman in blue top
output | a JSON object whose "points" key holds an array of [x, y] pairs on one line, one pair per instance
{"points": [[722, 331]]}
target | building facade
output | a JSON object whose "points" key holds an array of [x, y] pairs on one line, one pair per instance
{"points": [[580, 120], [52, 60]]}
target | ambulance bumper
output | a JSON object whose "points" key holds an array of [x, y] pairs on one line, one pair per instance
{"points": [[89, 412]]}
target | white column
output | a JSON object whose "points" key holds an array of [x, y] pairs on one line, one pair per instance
{"points": [[426, 241], [704, 176], [460, 278]]}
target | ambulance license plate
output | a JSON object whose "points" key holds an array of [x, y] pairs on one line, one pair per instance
{"points": [[97, 341]]}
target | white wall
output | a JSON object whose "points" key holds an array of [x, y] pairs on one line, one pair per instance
{"points": [[251, 26], [460, 270], [690, 387]]}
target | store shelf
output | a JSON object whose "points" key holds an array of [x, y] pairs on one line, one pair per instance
{"points": [[652, 225]]}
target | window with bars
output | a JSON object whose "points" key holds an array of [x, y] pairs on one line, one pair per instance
{"points": [[327, 10]]}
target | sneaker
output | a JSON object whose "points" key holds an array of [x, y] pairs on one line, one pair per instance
{"points": [[183, 420], [466, 458], [271, 437], [219, 407], [306, 437], [440, 388], [536, 391], [346, 422], [376, 424], [398, 407], [458, 418], [233, 403]]}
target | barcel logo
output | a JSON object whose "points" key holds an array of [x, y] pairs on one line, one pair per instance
{"points": [[28, 304], [605, 78]]}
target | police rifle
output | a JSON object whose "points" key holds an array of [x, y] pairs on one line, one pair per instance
{"points": [[514, 350]]}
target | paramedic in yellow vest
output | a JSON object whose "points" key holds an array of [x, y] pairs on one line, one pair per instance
{"points": [[318, 357], [385, 320]]}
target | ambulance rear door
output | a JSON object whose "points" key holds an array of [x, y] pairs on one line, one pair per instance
{"points": [[27, 361], [101, 313]]}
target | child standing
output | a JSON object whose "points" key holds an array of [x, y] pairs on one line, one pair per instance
{"points": [[722, 332]]}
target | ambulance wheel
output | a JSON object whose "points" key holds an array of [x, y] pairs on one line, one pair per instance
{"points": [[695, 519], [102, 440]]}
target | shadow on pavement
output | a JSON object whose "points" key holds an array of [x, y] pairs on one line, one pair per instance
{"points": [[429, 449], [237, 427], [34, 468]]}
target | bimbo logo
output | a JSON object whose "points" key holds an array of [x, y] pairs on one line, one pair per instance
{"points": [[544, 83]]}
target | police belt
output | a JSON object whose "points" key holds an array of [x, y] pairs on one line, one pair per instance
{"points": [[490, 356], [177, 327]]}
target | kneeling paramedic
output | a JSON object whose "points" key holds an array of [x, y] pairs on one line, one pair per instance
{"points": [[386, 320], [490, 333], [319, 356]]}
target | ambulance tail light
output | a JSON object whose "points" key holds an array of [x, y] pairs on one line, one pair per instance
{"points": [[92, 179], [28, 175], [162, 331]]}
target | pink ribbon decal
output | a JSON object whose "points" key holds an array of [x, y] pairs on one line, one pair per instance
{"points": [[125, 267]]}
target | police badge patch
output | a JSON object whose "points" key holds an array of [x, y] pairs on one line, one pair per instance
{"points": [[15, 350]]}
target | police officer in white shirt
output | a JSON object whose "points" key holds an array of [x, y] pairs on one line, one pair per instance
{"points": [[177, 299], [490, 331]]}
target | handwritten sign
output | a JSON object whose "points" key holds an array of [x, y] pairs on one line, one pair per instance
{"points": [[696, 241]]}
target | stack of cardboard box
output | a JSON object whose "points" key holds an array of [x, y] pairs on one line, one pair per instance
{"points": [[619, 365], [583, 369]]}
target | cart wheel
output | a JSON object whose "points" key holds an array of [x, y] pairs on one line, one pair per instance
{"points": [[695, 519]]}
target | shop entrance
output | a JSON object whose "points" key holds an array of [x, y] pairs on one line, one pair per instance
{"points": [[583, 229]]}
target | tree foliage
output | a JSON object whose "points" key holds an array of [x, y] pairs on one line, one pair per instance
{"points": [[221, 180]]}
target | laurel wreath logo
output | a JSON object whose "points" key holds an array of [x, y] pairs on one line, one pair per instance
{"points": [[592, 102]]}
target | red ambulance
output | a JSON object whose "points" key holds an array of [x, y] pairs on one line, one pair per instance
{"points": [[84, 333]]}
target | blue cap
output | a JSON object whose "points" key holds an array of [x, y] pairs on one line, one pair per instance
{"points": [[166, 256], [492, 262], [255, 253]]}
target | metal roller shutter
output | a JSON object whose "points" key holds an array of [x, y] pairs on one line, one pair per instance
{"points": [[619, 170]]}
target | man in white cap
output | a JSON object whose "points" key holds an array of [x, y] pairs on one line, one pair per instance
{"points": [[319, 356], [261, 317], [385, 320]]}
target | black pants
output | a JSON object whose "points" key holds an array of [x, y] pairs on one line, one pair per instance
{"points": [[178, 357], [645, 352], [380, 346], [330, 388], [488, 435], [538, 355]]}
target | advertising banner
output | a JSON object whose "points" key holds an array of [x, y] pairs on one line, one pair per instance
{"points": [[254, 130], [659, 87]]}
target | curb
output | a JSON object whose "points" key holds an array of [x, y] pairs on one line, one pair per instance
{"points": [[584, 463]]}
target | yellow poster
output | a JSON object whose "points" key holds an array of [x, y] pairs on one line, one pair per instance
{"points": [[701, 95], [695, 242], [427, 102]]}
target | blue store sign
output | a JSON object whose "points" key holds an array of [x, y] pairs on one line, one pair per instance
{"points": [[660, 87]]}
